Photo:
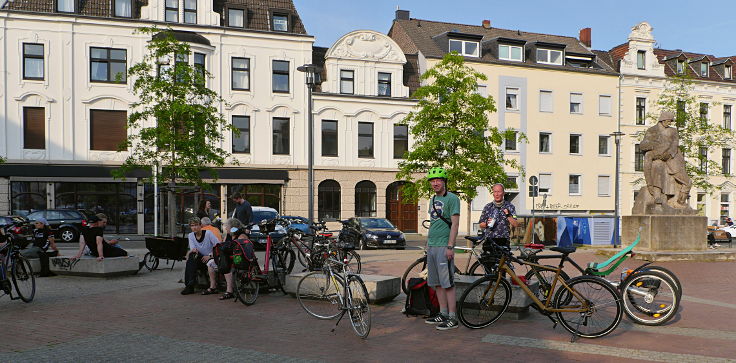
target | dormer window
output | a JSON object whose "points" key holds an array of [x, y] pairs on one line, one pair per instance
{"points": [[549, 56], [236, 18], [465, 47], [510, 52], [123, 8], [65, 6], [704, 69], [578, 60], [727, 73], [280, 22], [190, 11], [680, 66], [641, 59], [172, 11]]}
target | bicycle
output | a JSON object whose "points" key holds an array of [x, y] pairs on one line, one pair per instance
{"points": [[322, 243], [580, 304], [20, 270], [323, 294]]}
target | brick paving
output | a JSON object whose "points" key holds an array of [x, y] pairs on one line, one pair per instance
{"points": [[144, 318]]}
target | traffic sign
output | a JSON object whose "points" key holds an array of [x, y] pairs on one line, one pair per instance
{"points": [[533, 191], [533, 180]]}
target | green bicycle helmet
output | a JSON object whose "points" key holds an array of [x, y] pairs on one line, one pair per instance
{"points": [[435, 173]]}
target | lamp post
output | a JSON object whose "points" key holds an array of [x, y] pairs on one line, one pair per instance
{"points": [[312, 74], [617, 139]]}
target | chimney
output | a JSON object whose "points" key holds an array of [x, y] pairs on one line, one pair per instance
{"points": [[486, 24], [585, 37], [402, 14]]}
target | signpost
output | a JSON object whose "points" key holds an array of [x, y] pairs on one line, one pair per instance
{"points": [[533, 192]]}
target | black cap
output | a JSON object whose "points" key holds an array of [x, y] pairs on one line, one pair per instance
{"points": [[93, 219]]}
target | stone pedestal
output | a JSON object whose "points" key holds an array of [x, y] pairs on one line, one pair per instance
{"points": [[665, 233], [381, 289]]}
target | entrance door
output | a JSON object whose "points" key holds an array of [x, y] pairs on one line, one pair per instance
{"points": [[401, 213]]}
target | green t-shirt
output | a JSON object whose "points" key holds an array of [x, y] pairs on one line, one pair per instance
{"points": [[439, 231]]}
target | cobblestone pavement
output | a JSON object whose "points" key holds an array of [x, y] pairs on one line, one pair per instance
{"points": [[144, 318]]}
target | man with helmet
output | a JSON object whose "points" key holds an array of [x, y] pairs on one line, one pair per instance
{"points": [[444, 221]]}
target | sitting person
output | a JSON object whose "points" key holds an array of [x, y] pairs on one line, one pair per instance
{"points": [[233, 231], [92, 237], [201, 244], [207, 226], [43, 239]]}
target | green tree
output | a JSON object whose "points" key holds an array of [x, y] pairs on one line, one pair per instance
{"points": [[451, 129], [176, 126], [696, 134]]}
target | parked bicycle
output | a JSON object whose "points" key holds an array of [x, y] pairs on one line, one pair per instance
{"points": [[312, 249], [16, 271]]}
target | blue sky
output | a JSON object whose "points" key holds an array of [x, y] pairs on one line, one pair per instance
{"points": [[678, 24]]}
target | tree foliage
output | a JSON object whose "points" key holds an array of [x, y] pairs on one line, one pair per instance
{"points": [[175, 123], [694, 131], [451, 129]]}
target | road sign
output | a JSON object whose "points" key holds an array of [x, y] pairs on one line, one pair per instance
{"points": [[533, 180], [533, 191]]}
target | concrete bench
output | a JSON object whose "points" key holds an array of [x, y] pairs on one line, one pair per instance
{"points": [[35, 265], [380, 288], [89, 266], [518, 308]]}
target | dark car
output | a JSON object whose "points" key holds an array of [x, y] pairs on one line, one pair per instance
{"points": [[66, 223], [18, 227], [377, 233], [299, 223], [260, 214]]}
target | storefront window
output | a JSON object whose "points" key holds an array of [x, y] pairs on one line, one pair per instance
{"points": [[27, 197]]}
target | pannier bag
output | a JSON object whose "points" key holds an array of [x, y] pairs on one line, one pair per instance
{"points": [[243, 254]]}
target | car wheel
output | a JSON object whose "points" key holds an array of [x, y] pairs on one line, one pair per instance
{"points": [[68, 235]]}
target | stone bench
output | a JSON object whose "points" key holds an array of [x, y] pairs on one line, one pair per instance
{"points": [[380, 288], [89, 266], [35, 265], [518, 308]]}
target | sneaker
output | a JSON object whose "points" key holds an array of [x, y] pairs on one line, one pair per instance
{"points": [[437, 319], [716, 245], [450, 323], [187, 290]]}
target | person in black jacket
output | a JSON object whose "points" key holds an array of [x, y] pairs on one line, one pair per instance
{"points": [[43, 239], [243, 211]]}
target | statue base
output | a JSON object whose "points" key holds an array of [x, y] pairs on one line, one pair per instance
{"points": [[665, 233]]}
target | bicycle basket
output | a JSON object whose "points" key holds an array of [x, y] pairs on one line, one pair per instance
{"points": [[267, 227]]}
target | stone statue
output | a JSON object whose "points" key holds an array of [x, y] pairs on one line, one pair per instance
{"points": [[668, 185]]}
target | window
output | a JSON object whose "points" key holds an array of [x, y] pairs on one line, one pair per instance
{"points": [[172, 11], [384, 84], [701, 204], [703, 158], [241, 144], [33, 61], [603, 145], [365, 199], [575, 144], [510, 142], [545, 183], [107, 129], [725, 207], [200, 65], [280, 76], [641, 57], [108, 65], [190, 11], [465, 47], [726, 161], [576, 103], [703, 113], [280, 136], [328, 200], [680, 66], [641, 110], [510, 52], [681, 114], [347, 82], [545, 140], [512, 95], [604, 105], [727, 73], [329, 138], [604, 186], [240, 74], [549, 56], [365, 139], [401, 141], [545, 101], [34, 128], [574, 184], [280, 22], [727, 117], [124, 8], [638, 158], [481, 89], [704, 69], [66, 6], [236, 18]]}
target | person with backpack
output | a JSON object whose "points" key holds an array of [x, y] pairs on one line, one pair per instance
{"points": [[201, 244], [444, 221]]}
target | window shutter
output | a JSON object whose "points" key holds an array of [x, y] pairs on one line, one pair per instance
{"points": [[545, 181], [604, 105], [545, 101], [34, 128], [107, 129], [604, 186], [576, 98]]}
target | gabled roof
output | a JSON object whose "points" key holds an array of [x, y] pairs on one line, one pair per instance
{"points": [[693, 59]]}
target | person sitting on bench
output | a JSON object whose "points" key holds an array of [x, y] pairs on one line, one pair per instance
{"points": [[201, 244], [92, 238], [43, 239]]}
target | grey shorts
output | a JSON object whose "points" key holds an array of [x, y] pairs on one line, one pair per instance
{"points": [[440, 271]]}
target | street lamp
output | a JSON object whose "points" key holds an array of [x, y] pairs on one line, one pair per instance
{"points": [[312, 78], [617, 139]]}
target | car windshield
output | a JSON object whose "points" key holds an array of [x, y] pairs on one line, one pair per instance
{"points": [[376, 223], [258, 216]]}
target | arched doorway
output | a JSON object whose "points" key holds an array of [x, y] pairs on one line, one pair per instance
{"points": [[365, 199], [328, 200], [401, 213]]}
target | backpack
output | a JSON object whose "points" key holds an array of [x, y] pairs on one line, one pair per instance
{"points": [[421, 300], [243, 254]]}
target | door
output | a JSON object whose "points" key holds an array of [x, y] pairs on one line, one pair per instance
{"points": [[402, 213]]}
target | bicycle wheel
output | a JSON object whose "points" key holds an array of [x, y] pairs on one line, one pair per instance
{"points": [[23, 279], [353, 261], [280, 270], [484, 302], [150, 261], [358, 308], [288, 256], [670, 274], [650, 298], [545, 279], [320, 294], [414, 270], [246, 289], [602, 303]]}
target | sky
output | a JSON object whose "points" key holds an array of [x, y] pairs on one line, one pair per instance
{"points": [[699, 27]]}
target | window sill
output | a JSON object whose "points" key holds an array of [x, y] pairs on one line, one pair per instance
{"points": [[110, 82], [604, 114], [34, 79], [511, 151], [513, 110], [605, 155], [240, 89], [576, 113], [575, 154], [282, 92], [575, 194], [604, 196], [545, 152]]}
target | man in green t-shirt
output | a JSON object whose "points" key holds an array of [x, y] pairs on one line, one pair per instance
{"points": [[444, 213]]}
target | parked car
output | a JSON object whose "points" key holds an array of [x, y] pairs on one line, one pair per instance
{"points": [[18, 227], [299, 223], [377, 233], [260, 214], [66, 224]]}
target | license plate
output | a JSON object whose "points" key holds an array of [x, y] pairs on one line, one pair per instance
{"points": [[389, 241]]}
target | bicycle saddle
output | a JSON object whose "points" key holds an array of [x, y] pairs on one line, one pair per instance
{"points": [[565, 250], [474, 239], [534, 246]]}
